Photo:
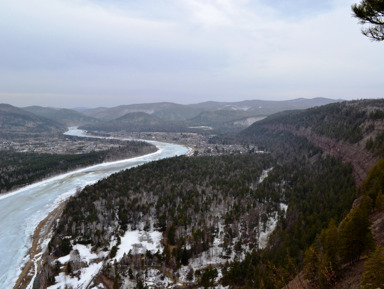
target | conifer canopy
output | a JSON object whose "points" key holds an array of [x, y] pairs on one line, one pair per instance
{"points": [[371, 12]]}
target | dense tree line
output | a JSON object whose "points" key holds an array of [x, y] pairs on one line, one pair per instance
{"points": [[317, 190], [315, 196], [179, 196]]}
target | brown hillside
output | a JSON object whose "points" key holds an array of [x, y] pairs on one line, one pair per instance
{"points": [[360, 159]]}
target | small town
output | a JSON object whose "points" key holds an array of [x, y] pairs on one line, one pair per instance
{"points": [[58, 145], [198, 143]]}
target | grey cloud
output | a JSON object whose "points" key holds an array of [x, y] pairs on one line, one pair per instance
{"points": [[299, 8], [172, 50]]}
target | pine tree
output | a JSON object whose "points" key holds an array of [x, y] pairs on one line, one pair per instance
{"points": [[371, 12], [379, 202], [355, 235], [184, 257], [208, 277], [373, 277], [311, 264], [331, 245]]}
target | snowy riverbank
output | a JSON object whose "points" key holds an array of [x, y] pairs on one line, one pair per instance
{"points": [[21, 211]]}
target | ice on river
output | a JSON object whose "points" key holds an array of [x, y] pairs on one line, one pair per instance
{"points": [[22, 210]]}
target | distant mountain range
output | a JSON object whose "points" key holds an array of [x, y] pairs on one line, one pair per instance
{"points": [[164, 116], [176, 112]]}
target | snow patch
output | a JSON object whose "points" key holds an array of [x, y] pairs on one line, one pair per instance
{"points": [[155, 279], [264, 175], [139, 242], [270, 226], [83, 281]]}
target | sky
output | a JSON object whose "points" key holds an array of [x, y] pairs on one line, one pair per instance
{"points": [[90, 53]]}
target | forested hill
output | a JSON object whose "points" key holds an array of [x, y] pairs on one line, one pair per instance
{"points": [[64, 116], [351, 130], [207, 208], [15, 122], [135, 122]]}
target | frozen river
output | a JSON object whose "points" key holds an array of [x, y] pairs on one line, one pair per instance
{"points": [[22, 210]]}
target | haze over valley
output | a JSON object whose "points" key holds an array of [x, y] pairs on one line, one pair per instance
{"points": [[259, 179], [185, 144]]}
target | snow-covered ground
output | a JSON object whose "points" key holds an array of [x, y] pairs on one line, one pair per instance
{"points": [[83, 281], [83, 277], [264, 175], [138, 242], [270, 227]]}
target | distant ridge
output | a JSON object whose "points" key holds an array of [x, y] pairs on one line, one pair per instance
{"points": [[64, 116], [175, 112], [166, 116], [219, 117], [121, 110], [134, 122], [15, 122]]}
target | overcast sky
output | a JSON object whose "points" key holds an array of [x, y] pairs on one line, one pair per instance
{"points": [[71, 53]]}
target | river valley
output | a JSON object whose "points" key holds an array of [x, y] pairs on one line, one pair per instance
{"points": [[22, 210]]}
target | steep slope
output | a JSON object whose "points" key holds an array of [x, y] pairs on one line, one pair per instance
{"points": [[351, 130], [15, 122], [67, 117], [344, 272]]}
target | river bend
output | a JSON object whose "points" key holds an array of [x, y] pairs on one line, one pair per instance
{"points": [[22, 210]]}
